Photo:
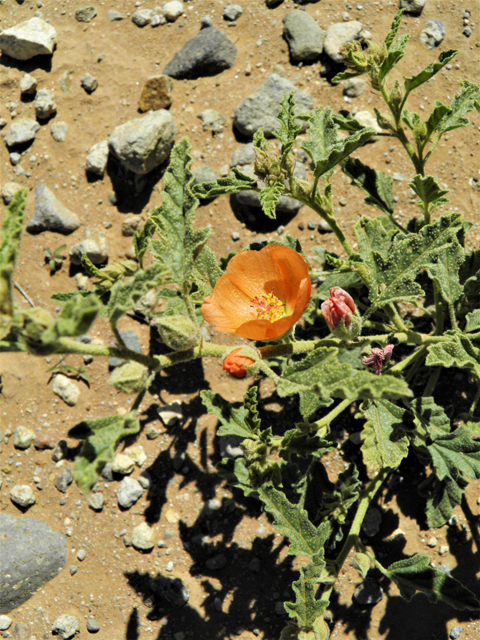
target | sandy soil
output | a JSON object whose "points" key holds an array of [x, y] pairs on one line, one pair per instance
{"points": [[242, 600]]}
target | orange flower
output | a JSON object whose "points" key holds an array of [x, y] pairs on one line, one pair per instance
{"points": [[262, 294], [235, 364]]}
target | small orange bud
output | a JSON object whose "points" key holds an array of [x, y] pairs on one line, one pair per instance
{"points": [[235, 364]]}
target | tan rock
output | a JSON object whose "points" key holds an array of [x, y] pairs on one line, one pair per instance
{"points": [[156, 94]]}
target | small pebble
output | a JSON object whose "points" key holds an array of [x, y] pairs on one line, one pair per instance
{"points": [[455, 632], [432, 542], [81, 555], [73, 569], [92, 625], [235, 236], [312, 225]]}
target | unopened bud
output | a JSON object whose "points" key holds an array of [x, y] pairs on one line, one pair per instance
{"points": [[236, 361], [178, 332], [130, 377], [341, 314], [35, 322]]}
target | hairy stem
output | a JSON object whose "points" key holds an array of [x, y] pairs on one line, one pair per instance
{"points": [[331, 415]]}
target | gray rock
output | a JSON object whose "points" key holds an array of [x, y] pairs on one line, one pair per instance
{"points": [[130, 225], [152, 434], [144, 143], [142, 17], [66, 626], [21, 631], [261, 108], [28, 84], [60, 451], [97, 158], [89, 83], [208, 53], [64, 479], [65, 389], [212, 120], [467, 32], [215, 563], [157, 20], [96, 501], [204, 174], [23, 437], [433, 34], [353, 87], [30, 555], [22, 495], [85, 14], [92, 626], [143, 537], [205, 22], [44, 104], [244, 155], [81, 555], [173, 10], [95, 246], [28, 39], [371, 522], [15, 158], [59, 131], [339, 34], [232, 12], [414, 7], [129, 492], [369, 592], [21, 131], [132, 342], [107, 473], [323, 226], [73, 569], [114, 15], [173, 590], [5, 623], [9, 189], [304, 36], [455, 632], [50, 214]]}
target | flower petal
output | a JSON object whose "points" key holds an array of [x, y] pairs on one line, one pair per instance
{"points": [[227, 307], [294, 270], [256, 272]]}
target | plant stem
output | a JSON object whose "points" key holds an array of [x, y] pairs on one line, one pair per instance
{"points": [[367, 496], [336, 411], [394, 316], [475, 400], [406, 362]]}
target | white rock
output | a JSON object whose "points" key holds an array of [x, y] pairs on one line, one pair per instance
{"points": [[95, 246], [339, 34], [44, 104], [129, 492], [28, 84], [97, 158], [171, 413], [123, 464], [28, 39], [66, 626], [173, 10], [137, 454], [23, 437], [9, 189], [22, 495], [21, 131], [367, 119], [414, 7], [65, 389], [143, 537], [5, 623]]}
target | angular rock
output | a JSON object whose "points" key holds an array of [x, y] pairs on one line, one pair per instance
{"points": [[89, 83], [433, 34], [173, 10], [136, 453], [130, 225], [22, 495], [97, 158], [28, 39], [208, 53], [212, 120], [28, 84], [262, 107], [129, 492], [414, 7], [353, 87], [303, 35], [85, 14], [244, 155], [96, 501], [131, 341], [44, 104], [30, 555], [50, 214], [9, 189], [143, 537], [65, 389], [64, 479], [142, 17], [367, 119], [113, 15], [232, 12], [66, 626], [339, 34], [156, 94], [23, 437], [144, 143], [123, 464], [95, 246], [21, 131], [59, 131]]}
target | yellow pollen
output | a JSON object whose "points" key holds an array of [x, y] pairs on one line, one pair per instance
{"points": [[268, 307]]}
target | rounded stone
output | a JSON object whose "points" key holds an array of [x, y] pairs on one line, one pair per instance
{"points": [[66, 626], [92, 626], [143, 537], [65, 389], [22, 495], [156, 94], [173, 10], [23, 437], [128, 492]]}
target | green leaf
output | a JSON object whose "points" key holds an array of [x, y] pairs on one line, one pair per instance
{"points": [[346, 121], [288, 130], [392, 279], [205, 274], [125, 295], [457, 352], [179, 243], [395, 26], [74, 319], [304, 444], [9, 246], [430, 420], [323, 148], [396, 51], [306, 608], [385, 443], [101, 437], [473, 321], [361, 564], [440, 110], [141, 237], [411, 119], [243, 422], [411, 82], [416, 574], [269, 197], [372, 237], [456, 452], [429, 191], [305, 538], [236, 474], [376, 184], [442, 497], [235, 182], [444, 271], [463, 102]]}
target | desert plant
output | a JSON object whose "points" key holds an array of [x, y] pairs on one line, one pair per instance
{"points": [[54, 259]]}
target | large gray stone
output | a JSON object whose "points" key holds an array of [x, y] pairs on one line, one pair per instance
{"points": [[144, 143], [28, 39], [206, 54], [31, 554], [50, 214], [21, 131], [339, 34], [262, 107], [304, 36]]}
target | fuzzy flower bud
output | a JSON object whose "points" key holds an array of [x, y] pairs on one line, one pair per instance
{"points": [[341, 314], [236, 361]]}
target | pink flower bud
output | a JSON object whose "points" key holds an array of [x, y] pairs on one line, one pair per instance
{"points": [[339, 305]]}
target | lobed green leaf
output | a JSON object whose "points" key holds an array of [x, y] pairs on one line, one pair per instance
{"points": [[457, 351], [306, 608], [429, 191], [269, 197], [243, 422], [463, 102], [235, 182], [385, 443], [412, 82], [376, 184]]}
